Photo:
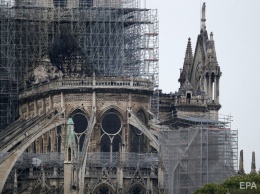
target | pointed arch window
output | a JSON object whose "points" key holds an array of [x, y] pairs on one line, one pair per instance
{"points": [[49, 144], [137, 190], [69, 154], [111, 128], [137, 136], [58, 138], [80, 127], [103, 190], [188, 98]]}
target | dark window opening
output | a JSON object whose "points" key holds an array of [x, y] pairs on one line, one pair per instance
{"points": [[137, 131], [49, 145], [58, 129], [141, 116], [105, 144], [103, 190], [80, 123], [59, 143], [81, 141], [42, 145], [111, 123], [188, 98], [116, 143], [137, 190], [137, 140], [34, 147], [69, 154]]}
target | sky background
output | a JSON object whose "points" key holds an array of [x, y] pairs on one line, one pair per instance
{"points": [[236, 28]]}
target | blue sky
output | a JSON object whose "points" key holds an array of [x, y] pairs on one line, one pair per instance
{"points": [[236, 28]]}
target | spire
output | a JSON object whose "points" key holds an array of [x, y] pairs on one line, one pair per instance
{"points": [[203, 17], [241, 163], [211, 37], [188, 59], [188, 55], [253, 169], [211, 51], [71, 147]]}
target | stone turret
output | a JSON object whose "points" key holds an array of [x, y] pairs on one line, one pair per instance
{"points": [[253, 167], [70, 171], [203, 17], [188, 59], [241, 163]]}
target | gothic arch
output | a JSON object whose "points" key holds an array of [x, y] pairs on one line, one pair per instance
{"points": [[111, 126], [109, 108], [137, 188], [9, 161], [138, 139], [142, 110], [75, 109], [81, 122], [103, 185]]}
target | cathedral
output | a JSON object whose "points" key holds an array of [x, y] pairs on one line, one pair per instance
{"points": [[81, 110]]}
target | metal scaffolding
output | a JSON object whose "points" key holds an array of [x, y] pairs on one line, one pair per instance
{"points": [[30, 167], [8, 81], [109, 38], [199, 154]]}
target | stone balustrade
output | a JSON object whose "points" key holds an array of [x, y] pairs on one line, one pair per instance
{"points": [[87, 83]]}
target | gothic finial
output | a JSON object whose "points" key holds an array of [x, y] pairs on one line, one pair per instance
{"points": [[211, 36], [241, 163], [188, 59], [188, 54], [253, 168], [203, 17]]}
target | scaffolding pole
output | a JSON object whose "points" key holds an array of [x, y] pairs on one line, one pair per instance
{"points": [[198, 154], [109, 38]]}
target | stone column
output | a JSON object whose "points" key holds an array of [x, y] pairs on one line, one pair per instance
{"points": [[63, 136], [94, 92], [50, 103], [62, 101], [130, 100], [42, 144], [206, 85], [15, 182], [217, 87], [27, 110], [43, 106], [120, 174], [149, 185], [209, 88], [46, 142], [37, 145], [35, 107], [20, 111], [53, 138]]}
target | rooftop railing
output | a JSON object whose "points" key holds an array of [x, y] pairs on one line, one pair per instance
{"points": [[87, 83]]}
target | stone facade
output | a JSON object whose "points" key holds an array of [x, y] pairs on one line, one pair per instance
{"points": [[198, 94], [132, 162], [98, 133]]}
